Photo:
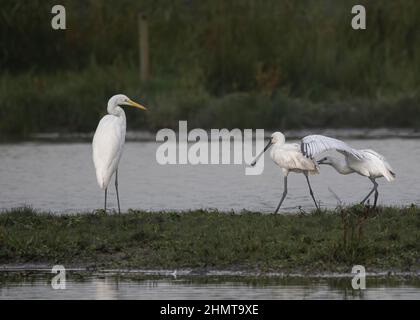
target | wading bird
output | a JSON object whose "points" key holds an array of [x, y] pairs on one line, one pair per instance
{"points": [[289, 158], [366, 162], [108, 142]]}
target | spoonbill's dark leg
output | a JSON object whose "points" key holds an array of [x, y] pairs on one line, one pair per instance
{"points": [[310, 190], [376, 196], [116, 188], [284, 195], [106, 190], [375, 187]]}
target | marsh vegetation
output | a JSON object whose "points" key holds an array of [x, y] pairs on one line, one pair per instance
{"points": [[245, 64], [330, 240]]}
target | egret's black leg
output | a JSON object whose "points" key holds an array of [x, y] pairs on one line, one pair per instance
{"points": [[284, 195], [116, 188], [310, 190], [106, 190], [374, 189]]}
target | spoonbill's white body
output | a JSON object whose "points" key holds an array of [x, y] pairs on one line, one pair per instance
{"points": [[367, 162], [108, 142], [289, 157]]}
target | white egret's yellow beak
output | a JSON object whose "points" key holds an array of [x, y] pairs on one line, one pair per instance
{"points": [[136, 105]]}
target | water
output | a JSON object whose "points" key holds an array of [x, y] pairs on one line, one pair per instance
{"points": [[60, 178], [38, 286]]}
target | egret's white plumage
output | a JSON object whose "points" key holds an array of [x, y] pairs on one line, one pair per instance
{"points": [[365, 162], [108, 141], [289, 158]]}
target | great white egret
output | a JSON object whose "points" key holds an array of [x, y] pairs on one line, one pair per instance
{"points": [[365, 162], [108, 142], [289, 158]]}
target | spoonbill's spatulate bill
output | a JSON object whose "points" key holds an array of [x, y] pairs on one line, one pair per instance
{"points": [[109, 140], [365, 162], [289, 158]]}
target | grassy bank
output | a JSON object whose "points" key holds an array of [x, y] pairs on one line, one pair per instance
{"points": [[382, 239]]}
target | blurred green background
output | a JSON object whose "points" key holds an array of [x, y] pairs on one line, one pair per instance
{"points": [[273, 64]]}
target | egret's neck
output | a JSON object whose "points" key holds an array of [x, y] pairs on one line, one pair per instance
{"points": [[340, 166], [115, 110]]}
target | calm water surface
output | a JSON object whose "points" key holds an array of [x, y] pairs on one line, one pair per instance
{"points": [[61, 178], [111, 287]]}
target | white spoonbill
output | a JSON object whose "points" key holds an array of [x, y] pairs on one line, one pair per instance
{"points": [[289, 158], [365, 162], [108, 142]]}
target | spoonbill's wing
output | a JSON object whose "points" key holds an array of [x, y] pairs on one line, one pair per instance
{"points": [[315, 144], [381, 158], [376, 154]]}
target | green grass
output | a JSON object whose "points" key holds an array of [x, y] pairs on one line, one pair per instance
{"points": [[382, 239]]}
